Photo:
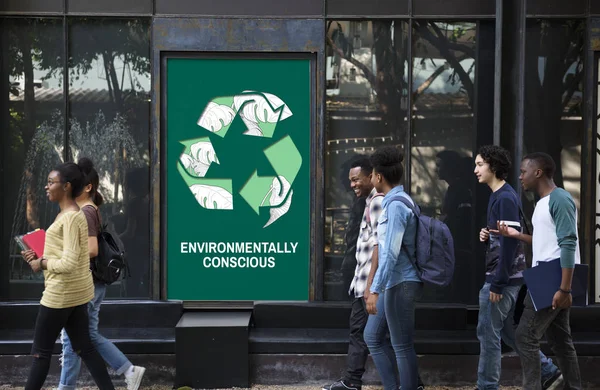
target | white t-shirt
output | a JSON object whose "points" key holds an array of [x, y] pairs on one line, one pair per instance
{"points": [[555, 228]]}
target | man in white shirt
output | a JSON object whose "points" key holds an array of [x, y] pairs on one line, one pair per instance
{"points": [[554, 236]]}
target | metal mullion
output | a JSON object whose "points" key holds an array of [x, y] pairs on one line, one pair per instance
{"points": [[589, 156], [318, 148], [158, 288], [36, 14], [498, 72], [408, 137], [520, 111], [129, 15], [66, 116], [4, 109], [366, 17], [558, 16], [447, 18], [476, 105]]}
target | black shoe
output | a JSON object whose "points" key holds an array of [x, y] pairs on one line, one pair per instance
{"points": [[342, 385], [554, 382]]}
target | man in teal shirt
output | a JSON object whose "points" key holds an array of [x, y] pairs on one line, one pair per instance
{"points": [[554, 236]]}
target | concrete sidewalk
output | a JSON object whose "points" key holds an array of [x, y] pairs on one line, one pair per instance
{"points": [[259, 387]]}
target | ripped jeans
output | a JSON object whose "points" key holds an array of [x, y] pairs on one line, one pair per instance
{"points": [[48, 325]]}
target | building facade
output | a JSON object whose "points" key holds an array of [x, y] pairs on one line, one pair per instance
{"points": [[437, 78]]}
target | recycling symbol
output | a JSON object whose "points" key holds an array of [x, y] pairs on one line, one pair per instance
{"points": [[260, 113]]}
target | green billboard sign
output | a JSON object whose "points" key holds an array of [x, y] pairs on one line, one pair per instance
{"points": [[237, 178]]}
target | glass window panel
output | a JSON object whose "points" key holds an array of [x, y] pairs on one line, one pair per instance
{"points": [[554, 70], [597, 179], [367, 99], [443, 138], [33, 140], [109, 100]]}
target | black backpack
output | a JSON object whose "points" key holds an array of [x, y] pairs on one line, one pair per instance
{"points": [[110, 263]]}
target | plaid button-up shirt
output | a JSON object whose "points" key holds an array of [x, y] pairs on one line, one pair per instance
{"points": [[367, 240]]}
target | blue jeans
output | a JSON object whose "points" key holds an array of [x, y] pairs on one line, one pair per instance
{"points": [[380, 347], [496, 323], [71, 362], [396, 312]]}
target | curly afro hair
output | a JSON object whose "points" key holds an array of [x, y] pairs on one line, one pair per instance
{"points": [[498, 158], [387, 161]]}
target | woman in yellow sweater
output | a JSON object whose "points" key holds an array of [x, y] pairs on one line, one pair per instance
{"points": [[68, 282]]}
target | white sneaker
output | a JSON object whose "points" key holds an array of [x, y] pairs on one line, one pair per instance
{"points": [[133, 378]]}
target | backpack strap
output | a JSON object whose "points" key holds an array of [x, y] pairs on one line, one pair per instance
{"points": [[417, 212], [415, 209], [99, 220]]}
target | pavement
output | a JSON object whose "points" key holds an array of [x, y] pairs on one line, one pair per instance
{"points": [[274, 387]]}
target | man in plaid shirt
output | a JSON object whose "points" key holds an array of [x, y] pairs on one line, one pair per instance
{"points": [[366, 259]]}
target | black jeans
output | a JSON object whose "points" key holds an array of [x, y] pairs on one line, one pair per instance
{"points": [[357, 350], [555, 325], [47, 329]]}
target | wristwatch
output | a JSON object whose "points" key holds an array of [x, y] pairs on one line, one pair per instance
{"points": [[564, 291]]}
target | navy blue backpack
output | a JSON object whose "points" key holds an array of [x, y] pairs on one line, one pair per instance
{"points": [[435, 248]]}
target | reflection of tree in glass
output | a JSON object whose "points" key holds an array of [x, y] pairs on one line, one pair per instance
{"points": [[389, 79], [31, 44], [553, 77], [454, 43], [31, 207], [100, 139], [37, 44], [107, 40], [97, 139], [390, 47]]}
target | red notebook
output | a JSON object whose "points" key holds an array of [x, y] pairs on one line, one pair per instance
{"points": [[35, 240]]}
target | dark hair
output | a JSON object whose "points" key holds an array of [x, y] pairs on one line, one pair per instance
{"points": [[387, 161], [91, 177], [498, 158], [544, 162], [364, 164], [70, 172]]}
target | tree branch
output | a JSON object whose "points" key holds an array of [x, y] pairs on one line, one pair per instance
{"points": [[442, 46], [427, 83], [366, 71], [459, 47]]}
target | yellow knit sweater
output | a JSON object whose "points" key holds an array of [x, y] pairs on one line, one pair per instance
{"points": [[68, 279]]}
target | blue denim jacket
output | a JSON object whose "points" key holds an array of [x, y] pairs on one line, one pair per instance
{"points": [[397, 227]]}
